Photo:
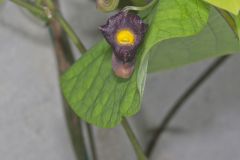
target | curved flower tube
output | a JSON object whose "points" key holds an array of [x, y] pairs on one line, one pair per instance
{"points": [[124, 32]]}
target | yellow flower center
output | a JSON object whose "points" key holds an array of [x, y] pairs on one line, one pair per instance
{"points": [[125, 37]]}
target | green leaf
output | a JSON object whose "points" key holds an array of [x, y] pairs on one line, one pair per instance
{"points": [[172, 18], [95, 93], [216, 39], [232, 6]]}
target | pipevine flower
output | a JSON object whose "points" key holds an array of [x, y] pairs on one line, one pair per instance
{"points": [[124, 32]]}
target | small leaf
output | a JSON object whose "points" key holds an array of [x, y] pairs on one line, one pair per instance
{"points": [[95, 93], [216, 39], [232, 6]]}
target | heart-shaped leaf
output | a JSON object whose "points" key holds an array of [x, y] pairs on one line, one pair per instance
{"points": [[97, 95], [216, 39], [172, 18]]}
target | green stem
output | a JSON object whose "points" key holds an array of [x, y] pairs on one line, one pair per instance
{"points": [[181, 101], [92, 142], [73, 36], [50, 4], [137, 148], [138, 2], [70, 32], [136, 8], [38, 11], [65, 59], [66, 26], [38, 2], [188, 93], [35, 10]]}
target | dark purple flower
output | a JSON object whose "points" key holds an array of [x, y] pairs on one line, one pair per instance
{"points": [[124, 32]]}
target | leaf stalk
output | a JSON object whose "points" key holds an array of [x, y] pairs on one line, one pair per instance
{"points": [[137, 148], [181, 101], [140, 8]]}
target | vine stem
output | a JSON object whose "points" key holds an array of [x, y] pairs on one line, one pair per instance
{"points": [[137, 148], [72, 120], [65, 59], [82, 49], [140, 8], [38, 2], [139, 2], [41, 12], [70, 32], [35, 10], [179, 103], [65, 26], [188, 93], [92, 141]]}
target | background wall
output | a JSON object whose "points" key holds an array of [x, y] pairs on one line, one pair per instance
{"points": [[32, 125]]}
